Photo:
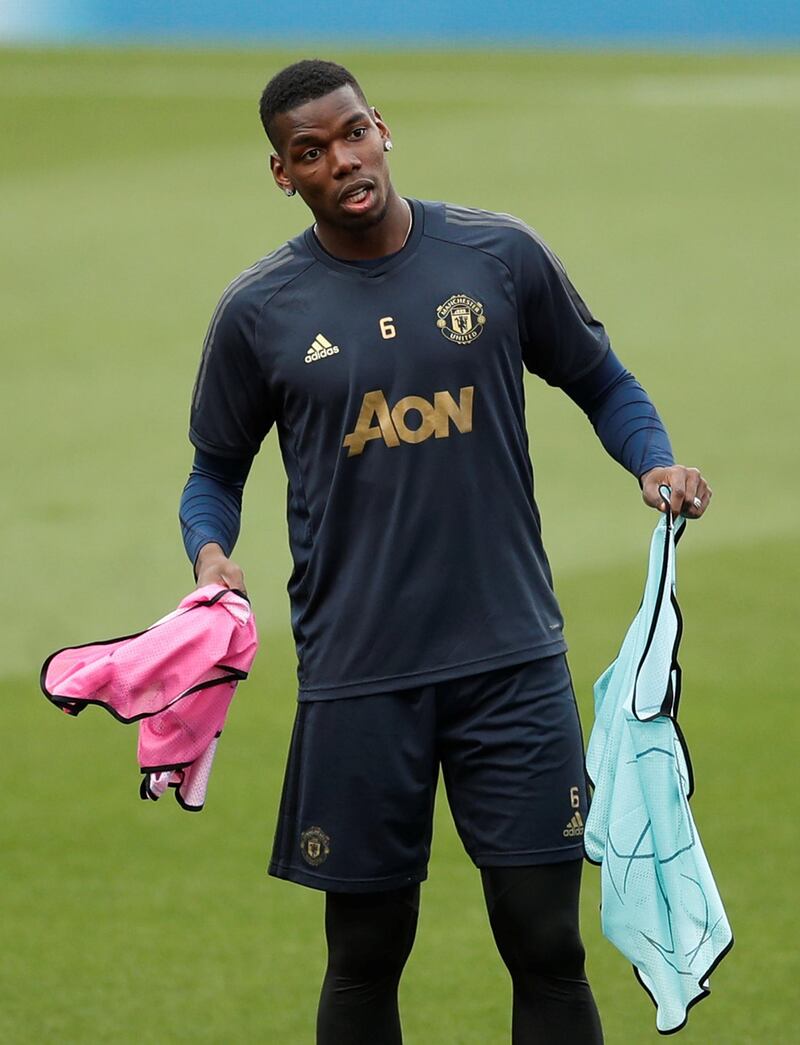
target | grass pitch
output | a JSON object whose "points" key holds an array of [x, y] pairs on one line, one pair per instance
{"points": [[133, 186]]}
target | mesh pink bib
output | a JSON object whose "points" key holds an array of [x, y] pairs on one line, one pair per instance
{"points": [[176, 679]]}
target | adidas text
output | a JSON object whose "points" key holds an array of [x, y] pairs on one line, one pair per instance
{"points": [[574, 828], [320, 348]]}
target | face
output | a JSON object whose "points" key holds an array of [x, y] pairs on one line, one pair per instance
{"points": [[331, 151]]}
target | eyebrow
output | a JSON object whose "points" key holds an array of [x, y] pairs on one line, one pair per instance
{"points": [[309, 138]]}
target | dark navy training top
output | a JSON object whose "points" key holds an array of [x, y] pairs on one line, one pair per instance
{"points": [[397, 393]]}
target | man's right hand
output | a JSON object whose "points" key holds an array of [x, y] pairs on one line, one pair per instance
{"points": [[214, 567]]}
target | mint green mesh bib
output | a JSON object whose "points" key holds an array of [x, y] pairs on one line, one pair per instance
{"points": [[660, 905]]}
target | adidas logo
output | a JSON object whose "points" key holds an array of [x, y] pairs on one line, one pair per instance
{"points": [[574, 828], [320, 347]]}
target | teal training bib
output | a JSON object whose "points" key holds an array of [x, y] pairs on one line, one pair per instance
{"points": [[660, 904]]}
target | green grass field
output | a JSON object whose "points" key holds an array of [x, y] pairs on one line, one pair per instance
{"points": [[133, 187]]}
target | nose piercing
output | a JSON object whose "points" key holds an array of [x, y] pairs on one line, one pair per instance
{"points": [[387, 145]]}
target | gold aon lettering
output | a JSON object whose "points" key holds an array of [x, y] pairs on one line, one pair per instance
{"points": [[392, 424]]}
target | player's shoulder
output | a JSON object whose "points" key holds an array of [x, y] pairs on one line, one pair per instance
{"points": [[494, 232], [256, 284]]}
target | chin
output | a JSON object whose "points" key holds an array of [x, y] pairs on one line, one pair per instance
{"points": [[373, 217], [377, 215]]}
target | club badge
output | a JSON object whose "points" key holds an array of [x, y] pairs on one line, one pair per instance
{"points": [[315, 846], [461, 319]]}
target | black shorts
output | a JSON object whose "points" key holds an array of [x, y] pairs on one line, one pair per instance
{"points": [[357, 807]]}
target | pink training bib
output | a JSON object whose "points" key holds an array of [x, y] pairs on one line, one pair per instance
{"points": [[176, 679]]}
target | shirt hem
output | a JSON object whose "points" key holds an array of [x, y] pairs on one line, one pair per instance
{"points": [[392, 683], [237, 453]]}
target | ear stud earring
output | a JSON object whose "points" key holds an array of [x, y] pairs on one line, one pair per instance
{"points": [[387, 145], [290, 192]]}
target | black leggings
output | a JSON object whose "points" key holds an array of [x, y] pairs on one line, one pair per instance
{"points": [[533, 912]]}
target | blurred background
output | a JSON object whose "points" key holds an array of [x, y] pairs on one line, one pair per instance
{"points": [[656, 148], [685, 23]]}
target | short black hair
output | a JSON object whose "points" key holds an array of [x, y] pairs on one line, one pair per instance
{"points": [[299, 83]]}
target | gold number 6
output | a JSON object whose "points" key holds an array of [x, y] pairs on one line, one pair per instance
{"points": [[387, 327]]}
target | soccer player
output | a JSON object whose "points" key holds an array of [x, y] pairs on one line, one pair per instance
{"points": [[386, 344]]}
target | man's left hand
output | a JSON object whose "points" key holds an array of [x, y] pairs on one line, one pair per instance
{"points": [[690, 492]]}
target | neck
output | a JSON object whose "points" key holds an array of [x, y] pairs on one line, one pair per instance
{"points": [[386, 236]]}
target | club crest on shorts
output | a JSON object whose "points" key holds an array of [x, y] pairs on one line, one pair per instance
{"points": [[461, 319], [315, 846]]}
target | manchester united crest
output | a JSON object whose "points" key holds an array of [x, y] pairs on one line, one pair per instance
{"points": [[315, 846], [461, 319]]}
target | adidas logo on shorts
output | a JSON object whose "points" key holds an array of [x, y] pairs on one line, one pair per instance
{"points": [[320, 347], [574, 828]]}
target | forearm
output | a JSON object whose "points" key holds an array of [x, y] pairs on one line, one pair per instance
{"points": [[624, 417], [211, 504]]}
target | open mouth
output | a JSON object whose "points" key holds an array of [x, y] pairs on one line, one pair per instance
{"points": [[358, 199]]}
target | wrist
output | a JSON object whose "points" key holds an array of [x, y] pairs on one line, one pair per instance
{"points": [[649, 471], [208, 554]]}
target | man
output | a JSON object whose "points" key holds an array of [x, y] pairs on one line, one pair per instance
{"points": [[386, 344]]}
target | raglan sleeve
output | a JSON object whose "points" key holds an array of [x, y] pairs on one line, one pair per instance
{"points": [[231, 412], [561, 339]]}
